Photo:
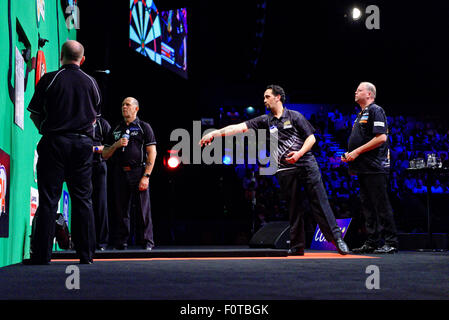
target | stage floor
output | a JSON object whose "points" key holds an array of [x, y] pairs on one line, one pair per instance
{"points": [[198, 252], [231, 273]]}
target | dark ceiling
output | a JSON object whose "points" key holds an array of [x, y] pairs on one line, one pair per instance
{"points": [[309, 47]]}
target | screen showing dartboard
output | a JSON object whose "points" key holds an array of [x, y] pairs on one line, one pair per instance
{"points": [[160, 36]]}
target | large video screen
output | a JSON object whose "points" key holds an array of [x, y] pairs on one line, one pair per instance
{"points": [[159, 35]]}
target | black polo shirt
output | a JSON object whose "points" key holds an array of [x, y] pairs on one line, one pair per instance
{"points": [[67, 100], [292, 130], [369, 122], [140, 136], [101, 129]]}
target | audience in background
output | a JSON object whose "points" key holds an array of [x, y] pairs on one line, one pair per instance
{"points": [[409, 138]]}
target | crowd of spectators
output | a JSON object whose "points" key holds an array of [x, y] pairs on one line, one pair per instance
{"points": [[409, 138]]}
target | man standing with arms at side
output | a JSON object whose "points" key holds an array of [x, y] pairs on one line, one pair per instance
{"points": [[297, 167], [99, 184], [133, 147], [368, 158], [63, 108]]}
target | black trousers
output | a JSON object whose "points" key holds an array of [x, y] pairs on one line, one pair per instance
{"points": [[100, 202], [64, 158], [291, 183], [128, 197], [376, 209]]}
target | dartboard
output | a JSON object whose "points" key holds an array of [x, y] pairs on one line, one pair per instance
{"points": [[145, 29]]}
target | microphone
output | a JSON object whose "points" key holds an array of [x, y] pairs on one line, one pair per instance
{"points": [[125, 135]]}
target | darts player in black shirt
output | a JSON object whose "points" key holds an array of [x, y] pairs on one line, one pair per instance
{"points": [[368, 158], [297, 167]]}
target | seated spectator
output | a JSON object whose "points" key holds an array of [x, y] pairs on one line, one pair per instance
{"points": [[445, 187], [394, 183], [334, 161], [410, 183], [437, 188], [444, 160], [420, 188], [343, 191]]}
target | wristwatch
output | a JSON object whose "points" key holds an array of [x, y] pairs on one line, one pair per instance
{"points": [[147, 175]]}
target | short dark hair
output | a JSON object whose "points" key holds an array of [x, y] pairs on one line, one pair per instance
{"points": [[277, 90]]}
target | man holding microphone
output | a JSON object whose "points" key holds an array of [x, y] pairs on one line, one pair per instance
{"points": [[132, 146]]}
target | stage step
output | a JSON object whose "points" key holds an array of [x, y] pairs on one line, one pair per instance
{"points": [[177, 252]]}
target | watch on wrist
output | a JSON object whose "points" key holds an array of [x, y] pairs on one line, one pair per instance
{"points": [[147, 175]]}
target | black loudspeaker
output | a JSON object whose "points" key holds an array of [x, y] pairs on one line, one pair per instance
{"points": [[274, 235]]}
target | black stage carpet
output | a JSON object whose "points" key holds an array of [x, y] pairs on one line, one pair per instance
{"points": [[265, 278]]}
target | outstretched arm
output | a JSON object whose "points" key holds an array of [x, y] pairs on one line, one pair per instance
{"points": [[226, 131]]}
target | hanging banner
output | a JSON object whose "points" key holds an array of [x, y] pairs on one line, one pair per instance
{"points": [[19, 89]]}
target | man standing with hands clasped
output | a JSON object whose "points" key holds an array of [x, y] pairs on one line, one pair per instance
{"points": [[297, 167], [132, 146], [368, 158]]}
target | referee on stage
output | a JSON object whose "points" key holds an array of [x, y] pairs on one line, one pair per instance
{"points": [[63, 108], [132, 146]]}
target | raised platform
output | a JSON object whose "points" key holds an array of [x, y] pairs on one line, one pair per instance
{"points": [[201, 252], [177, 252]]}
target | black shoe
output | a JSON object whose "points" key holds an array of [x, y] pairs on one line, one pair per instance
{"points": [[295, 252], [364, 249], [86, 261], [341, 246], [101, 248], [148, 247], [122, 246], [386, 249], [32, 262]]}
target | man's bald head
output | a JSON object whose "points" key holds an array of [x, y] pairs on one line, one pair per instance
{"points": [[72, 52], [130, 100]]}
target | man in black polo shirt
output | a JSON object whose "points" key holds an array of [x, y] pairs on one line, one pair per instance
{"points": [[368, 158], [133, 147], [297, 167], [64, 107], [99, 184]]}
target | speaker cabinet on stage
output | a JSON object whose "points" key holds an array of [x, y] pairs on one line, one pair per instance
{"points": [[274, 235]]}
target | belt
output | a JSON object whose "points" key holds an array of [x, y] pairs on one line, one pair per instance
{"points": [[129, 168], [69, 135]]}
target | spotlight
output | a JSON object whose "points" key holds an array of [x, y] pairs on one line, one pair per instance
{"points": [[227, 160], [250, 110], [173, 162], [356, 13]]}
